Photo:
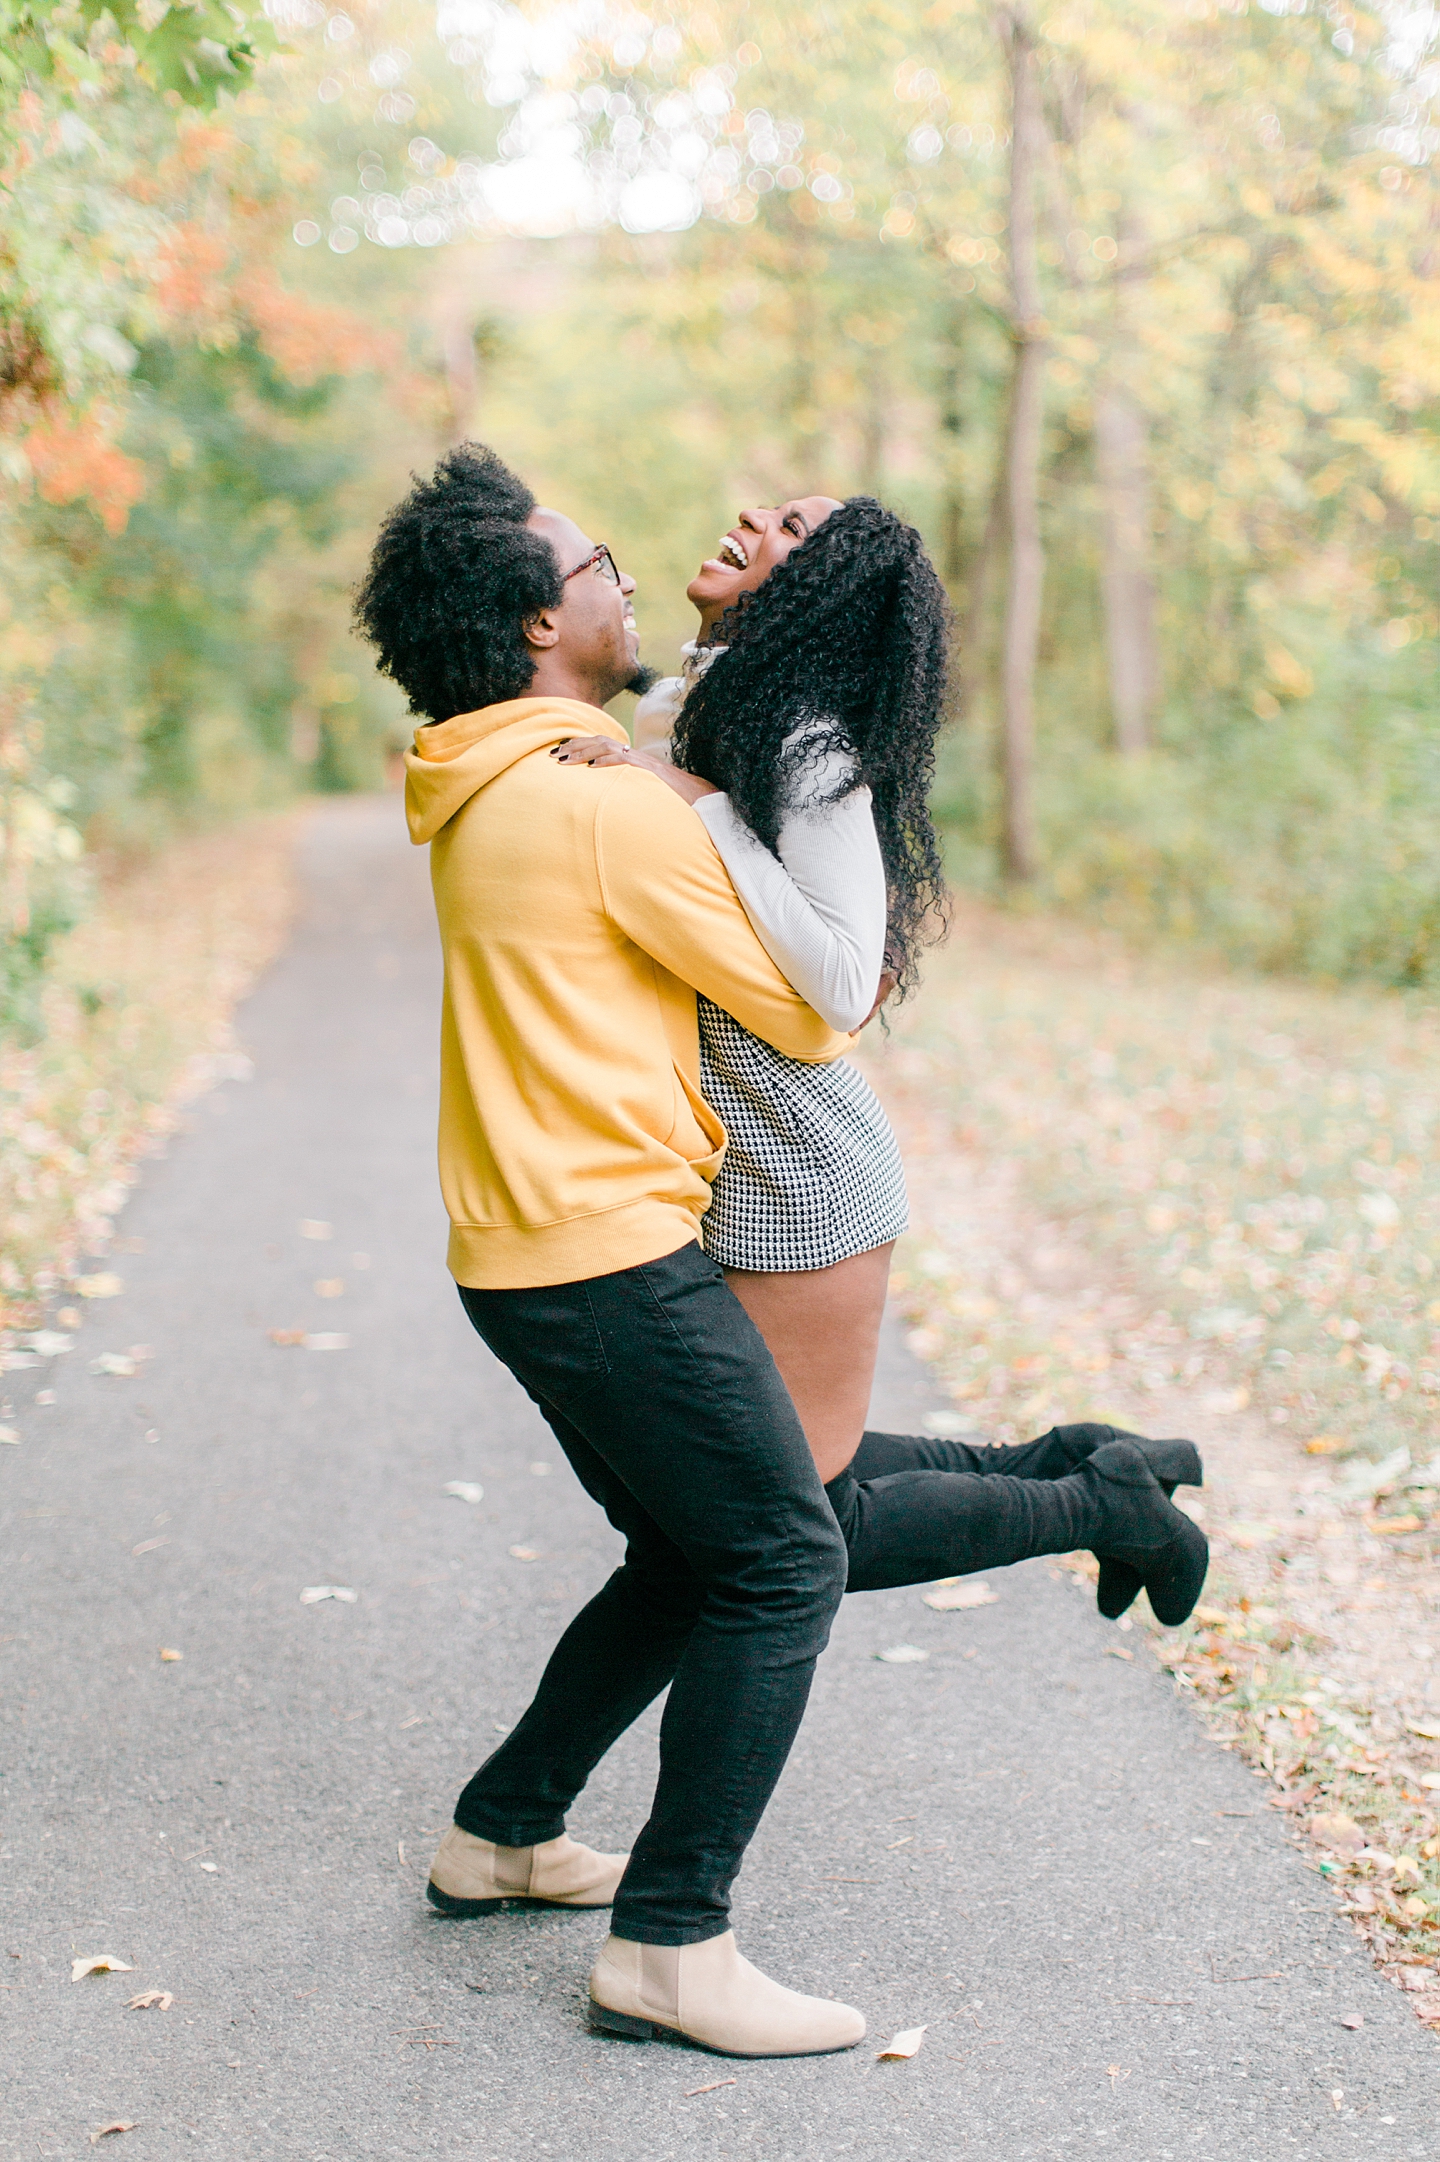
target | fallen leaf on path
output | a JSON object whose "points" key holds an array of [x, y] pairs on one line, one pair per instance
{"points": [[904, 2044], [8, 1433], [1354, 2021], [49, 1343], [948, 1425], [168, 1657], [1117, 1651], [326, 1342], [312, 1227], [689, 2091], [122, 1363], [329, 1287], [148, 1546], [463, 1490], [902, 1655], [523, 1553], [286, 1336], [102, 1963], [103, 1286], [14, 1362], [69, 1317], [959, 1596], [121, 2124], [151, 2000], [1340, 1832], [313, 1593], [1337, 2096], [211, 1868]]}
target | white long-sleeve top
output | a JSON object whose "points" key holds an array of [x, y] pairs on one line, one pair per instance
{"points": [[820, 911]]}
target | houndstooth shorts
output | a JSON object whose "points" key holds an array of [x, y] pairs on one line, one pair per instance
{"points": [[812, 1173]]}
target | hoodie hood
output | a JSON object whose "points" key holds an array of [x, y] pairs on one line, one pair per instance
{"points": [[452, 760]]}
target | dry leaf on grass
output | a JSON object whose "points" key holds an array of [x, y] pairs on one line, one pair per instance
{"points": [[102, 1963], [121, 2124], [904, 2044], [958, 1594], [151, 2000], [463, 1490], [902, 1655], [314, 1593], [1340, 1832]]}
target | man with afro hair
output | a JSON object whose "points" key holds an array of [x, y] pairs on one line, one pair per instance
{"points": [[581, 910]]}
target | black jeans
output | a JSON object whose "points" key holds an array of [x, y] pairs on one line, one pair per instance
{"points": [[659, 1389]]}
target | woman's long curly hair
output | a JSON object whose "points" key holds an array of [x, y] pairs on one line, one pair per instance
{"points": [[845, 640]]}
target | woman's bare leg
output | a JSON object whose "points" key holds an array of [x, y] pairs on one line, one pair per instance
{"points": [[822, 1328]]}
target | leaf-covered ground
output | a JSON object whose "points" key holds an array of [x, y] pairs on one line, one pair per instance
{"points": [[1191, 1202], [137, 1016]]}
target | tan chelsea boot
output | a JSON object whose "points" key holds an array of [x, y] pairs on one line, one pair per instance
{"points": [[709, 1994], [470, 1875]]}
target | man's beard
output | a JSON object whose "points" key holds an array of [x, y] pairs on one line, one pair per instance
{"points": [[643, 680]]}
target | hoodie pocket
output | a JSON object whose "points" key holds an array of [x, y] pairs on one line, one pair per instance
{"points": [[697, 1133]]}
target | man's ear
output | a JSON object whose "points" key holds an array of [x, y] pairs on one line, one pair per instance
{"points": [[542, 631]]}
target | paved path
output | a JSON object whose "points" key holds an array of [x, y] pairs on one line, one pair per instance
{"points": [[1022, 1842]]}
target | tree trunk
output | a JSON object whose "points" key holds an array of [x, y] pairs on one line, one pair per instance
{"points": [[952, 424], [1026, 566], [462, 377], [1122, 443]]}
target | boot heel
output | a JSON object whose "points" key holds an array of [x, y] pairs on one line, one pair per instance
{"points": [[637, 2030], [448, 1904]]}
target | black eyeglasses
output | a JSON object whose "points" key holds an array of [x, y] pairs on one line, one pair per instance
{"points": [[603, 564]]}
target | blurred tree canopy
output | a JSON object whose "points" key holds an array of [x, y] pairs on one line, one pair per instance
{"points": [[1132, 306]]}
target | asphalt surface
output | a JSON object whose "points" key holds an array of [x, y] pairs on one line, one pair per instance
{"points": [[1023, 1843]]}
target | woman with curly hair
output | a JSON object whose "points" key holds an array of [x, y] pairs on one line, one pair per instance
{"points": [[802, 731]]}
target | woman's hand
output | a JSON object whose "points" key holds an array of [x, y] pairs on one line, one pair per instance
{"points": [[604, 751], [888, 981]]}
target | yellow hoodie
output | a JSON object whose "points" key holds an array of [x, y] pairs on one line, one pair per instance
{"points": [[581, 908]]}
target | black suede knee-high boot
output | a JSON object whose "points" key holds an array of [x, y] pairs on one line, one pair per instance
{"points": [[913, 1526], [1053, 1456]]}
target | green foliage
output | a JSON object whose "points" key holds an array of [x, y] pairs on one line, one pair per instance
{"points": [[193, 50]]}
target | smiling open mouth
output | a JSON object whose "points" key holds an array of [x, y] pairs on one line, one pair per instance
{"points": [[731, 553]]}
